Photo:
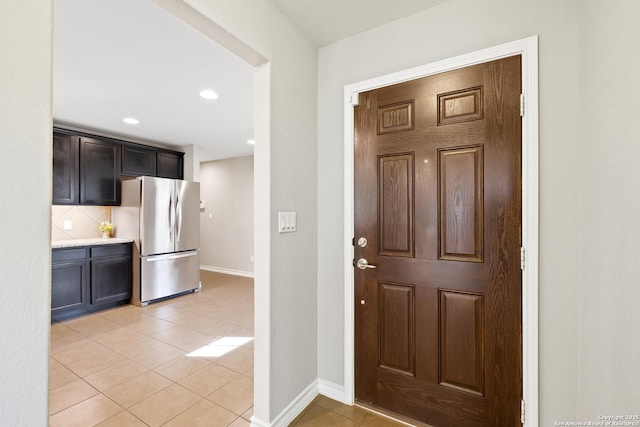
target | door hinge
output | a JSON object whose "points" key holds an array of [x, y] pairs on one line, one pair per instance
{"points": [[522, 257], [522, 411], [522, 105], [355, 99]]}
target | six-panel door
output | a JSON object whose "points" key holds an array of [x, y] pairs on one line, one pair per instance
{"points": [[437, 196]]}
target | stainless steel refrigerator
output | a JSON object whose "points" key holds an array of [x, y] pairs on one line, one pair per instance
{"points": [[162, 217]]}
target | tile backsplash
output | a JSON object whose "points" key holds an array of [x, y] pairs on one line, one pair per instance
{"points": [[84, 221]]}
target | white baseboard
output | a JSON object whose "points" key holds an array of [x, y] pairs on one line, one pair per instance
{"points": [[227, 271], [294, 409], [318, 386], [258, 423], [331, 390]]}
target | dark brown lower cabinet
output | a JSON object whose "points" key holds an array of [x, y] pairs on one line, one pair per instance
{"points": [[69, 282], [89, 278], [110, 274]]}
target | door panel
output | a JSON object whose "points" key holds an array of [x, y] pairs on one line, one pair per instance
{"points": [[460, 188], [395, 118], [99, 172], [395, 217], [461, 341], [437, 195], [110, 279], [187, 215], [66, 167], [397, 338], [138, 161], [158, 216], [169, 165], [69, 285]]}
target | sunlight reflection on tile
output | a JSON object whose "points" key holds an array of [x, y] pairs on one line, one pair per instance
{"points": [[220, 347]]}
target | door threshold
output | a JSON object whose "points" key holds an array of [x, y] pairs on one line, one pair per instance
{"points": [[390, 415]]}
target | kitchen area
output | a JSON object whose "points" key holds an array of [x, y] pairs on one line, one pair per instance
{"points": [[139, 93], [146, 331], [140, 335], [152, 254]]}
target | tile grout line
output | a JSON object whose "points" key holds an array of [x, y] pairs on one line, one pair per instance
{"points": [[85, 331]]}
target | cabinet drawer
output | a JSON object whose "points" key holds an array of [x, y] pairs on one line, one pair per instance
{"points": [[121, 249], [58, 255]]}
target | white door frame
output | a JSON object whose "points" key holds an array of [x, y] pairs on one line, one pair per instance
{"points": [[528, 49]]}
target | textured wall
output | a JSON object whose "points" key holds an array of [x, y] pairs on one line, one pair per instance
{"points": [[25, 220], [609, 294]]}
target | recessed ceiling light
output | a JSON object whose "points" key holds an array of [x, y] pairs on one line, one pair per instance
{"points": [[251, 141], [208, 94], [131, 121]]}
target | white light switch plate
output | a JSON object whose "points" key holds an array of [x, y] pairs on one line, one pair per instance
{"points": [[286, 222]]}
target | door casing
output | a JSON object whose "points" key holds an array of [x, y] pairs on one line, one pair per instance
{"points": [[528, 49]]}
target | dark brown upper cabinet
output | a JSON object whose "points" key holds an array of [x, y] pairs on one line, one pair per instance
{"points": [[138, 160], [87, 168], [99, 172], [66, 169], [169, 165]]}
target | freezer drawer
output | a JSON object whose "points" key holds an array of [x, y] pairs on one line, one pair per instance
{"points": [[165, 275]]}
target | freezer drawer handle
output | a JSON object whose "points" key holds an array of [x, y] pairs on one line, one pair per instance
{"points": [[164, 258]]}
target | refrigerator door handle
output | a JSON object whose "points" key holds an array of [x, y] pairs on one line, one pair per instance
{"points": [[178, 216], [171, 218], [171, 256]]}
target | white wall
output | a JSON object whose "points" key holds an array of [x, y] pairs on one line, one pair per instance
{"points": [[447, 30], [25, 223], [589, 190], [285, 158], [226, 223], [189, 167], [287, 305], [609, 155]]}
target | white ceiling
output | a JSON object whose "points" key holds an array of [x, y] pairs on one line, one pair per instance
{"points": [[119, 58], [130, 58], [326, 21]]}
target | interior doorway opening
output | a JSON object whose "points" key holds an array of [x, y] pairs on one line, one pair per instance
{"points": [[262, 190]]}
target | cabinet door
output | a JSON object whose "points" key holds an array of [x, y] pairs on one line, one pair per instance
{"points": [[99, 172], [65, 169], [110, 280], [68, 288], [138, 161], [169, 165]]}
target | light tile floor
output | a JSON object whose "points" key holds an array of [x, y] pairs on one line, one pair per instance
{"points": [[131, 366], [326, 412]]}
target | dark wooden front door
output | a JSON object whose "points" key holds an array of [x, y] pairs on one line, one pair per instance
{"points": [[438, 199]]}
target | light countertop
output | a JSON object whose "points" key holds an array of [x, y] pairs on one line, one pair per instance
{"points": [[86, 242]]}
